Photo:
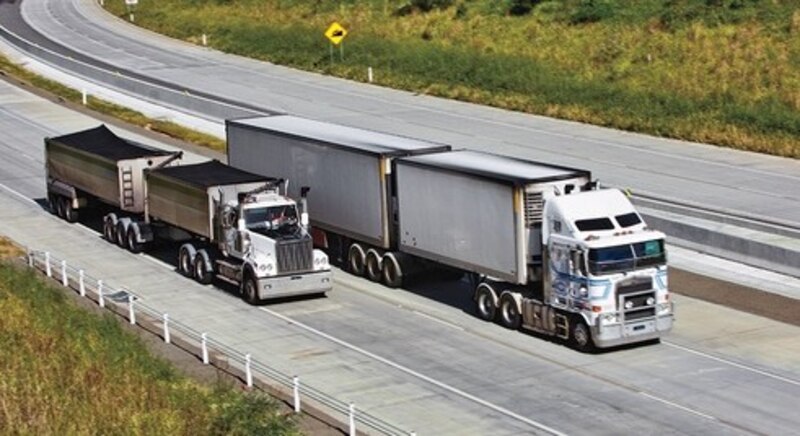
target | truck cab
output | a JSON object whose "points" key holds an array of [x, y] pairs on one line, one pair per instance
{"points": [[606, 268]]}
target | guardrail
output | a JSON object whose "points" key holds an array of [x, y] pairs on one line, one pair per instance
{"points": [[211, 351]]}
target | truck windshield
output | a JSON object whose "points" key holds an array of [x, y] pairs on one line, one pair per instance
{"points": [[275, 219], [627, 257]]}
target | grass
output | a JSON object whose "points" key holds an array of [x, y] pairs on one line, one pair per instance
{"points": [[66, 93], [719, 71], [66, 371]]}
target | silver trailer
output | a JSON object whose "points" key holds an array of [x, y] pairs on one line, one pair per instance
{"points": [[97, 164], [348, 169], [187, 196], [478, 212]]}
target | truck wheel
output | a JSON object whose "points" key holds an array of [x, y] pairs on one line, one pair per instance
{"points": [[185, 264], [509, 314], [122, 233], [109, 230], [484, 298], [392, 273], [60, 206], [70, 214], [372, 265], [52, 202], [355, 259], [580, 335], [201, 268], [133, 245], [250, 289]]}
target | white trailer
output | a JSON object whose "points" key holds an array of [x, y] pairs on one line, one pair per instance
{"points": [[546, 249]]}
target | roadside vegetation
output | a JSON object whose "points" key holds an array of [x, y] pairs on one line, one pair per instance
{"points": [[725, 72], [67, 371], [130, 116]]}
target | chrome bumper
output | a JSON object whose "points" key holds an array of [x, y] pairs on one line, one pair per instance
{"points": [[631, 332], [295, 285]]}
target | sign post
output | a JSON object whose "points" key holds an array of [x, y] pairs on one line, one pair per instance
{"points": [[335, 34], [131, 5]]}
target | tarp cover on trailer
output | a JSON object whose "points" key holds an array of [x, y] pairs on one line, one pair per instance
{"points": [[212, 173], [103, 142]]}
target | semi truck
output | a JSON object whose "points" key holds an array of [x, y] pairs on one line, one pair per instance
{"points": [[546, 249], [230, 224]]}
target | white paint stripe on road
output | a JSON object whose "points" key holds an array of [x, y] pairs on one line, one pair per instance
{"points": [[734, 364], [435, 319], [418, 375], [678, 406], [17, 194]]}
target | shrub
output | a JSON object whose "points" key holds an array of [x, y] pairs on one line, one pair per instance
{"points": [[521, 7], [590, 11]]}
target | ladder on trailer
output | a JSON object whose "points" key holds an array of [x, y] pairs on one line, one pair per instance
{"points": [[127, 188]]}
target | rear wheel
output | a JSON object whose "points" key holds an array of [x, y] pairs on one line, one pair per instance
{"points": [[509, 313], [355, 260], [109, 230], [133, 244], [70, 214], [580, 334], [202, 271], [61, 205], [185, 266], [485, 301], [122, 233], [372, 265], [391, 272]]}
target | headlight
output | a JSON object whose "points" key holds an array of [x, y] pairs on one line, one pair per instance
{"points": [[628, 304], [664, 307], [650, 301]]}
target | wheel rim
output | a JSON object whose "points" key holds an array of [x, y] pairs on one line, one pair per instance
{"points": [[131, 241], [509, 313], [373, 267], [485, 304], [250, 290], [185, 268], [390, 274], [580, 335], [199, 270], [356, 262]]}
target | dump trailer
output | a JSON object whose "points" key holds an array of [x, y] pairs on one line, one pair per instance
{"points": [[545, 249], [96, 166], [348, 169], [232, 225], [548, 251]]}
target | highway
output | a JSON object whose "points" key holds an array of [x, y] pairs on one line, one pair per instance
{"points": [[718, 178], [419, 358]]}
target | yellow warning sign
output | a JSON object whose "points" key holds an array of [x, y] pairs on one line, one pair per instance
{"points": [[336, 33]]}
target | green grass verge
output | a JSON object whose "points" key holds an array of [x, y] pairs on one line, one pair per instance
{"points": [[718, 71], [66, 371], [66, 93]]}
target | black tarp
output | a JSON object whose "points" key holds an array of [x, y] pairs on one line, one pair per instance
{"points": [[103, 142], [212, 173]]}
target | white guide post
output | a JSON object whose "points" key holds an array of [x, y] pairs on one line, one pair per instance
{"points": [[166, 328]]}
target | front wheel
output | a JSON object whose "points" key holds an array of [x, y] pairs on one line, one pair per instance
{"points": [[580, 335], [250, 289]]}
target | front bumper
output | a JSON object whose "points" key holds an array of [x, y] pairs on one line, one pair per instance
{"points": [[292, 285], [631, 332]]}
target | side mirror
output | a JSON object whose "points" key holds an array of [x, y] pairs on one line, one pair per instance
{"points": [[304, 191], [240, 225], [304, 219]]}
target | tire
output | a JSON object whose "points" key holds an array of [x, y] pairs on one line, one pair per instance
{"points": [[60, 207], [509, 313], [484, 301], [201, 272], [122, 233], [109, 230], [70, 214], [52, 203], [355, 260], [250, 289], [391, 271], [580, 335], [133, 245], [185, 262], [372, 265]]}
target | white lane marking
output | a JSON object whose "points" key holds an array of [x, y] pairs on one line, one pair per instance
{"points": [[22, 196], [678, 406], [435, 319], [418, 375], [158, 262], [734, 364]]}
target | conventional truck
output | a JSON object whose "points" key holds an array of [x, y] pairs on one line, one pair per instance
{"points": [[545, 248], [231, 224]]}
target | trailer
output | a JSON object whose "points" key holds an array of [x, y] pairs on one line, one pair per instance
{"points": [[232, 225], [97, 165], [546, 250], [349, 170]]}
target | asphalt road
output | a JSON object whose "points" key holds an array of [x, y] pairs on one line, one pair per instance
{"points": [[419, 358], [722, 179]]}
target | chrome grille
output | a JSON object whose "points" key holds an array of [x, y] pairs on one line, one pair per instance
{"points": [[635, 293], [295, 255], [533, 208], [634, 285]]}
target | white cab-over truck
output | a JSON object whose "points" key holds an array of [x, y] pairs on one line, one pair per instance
{"points": [[547, 251], [232, 224]]}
